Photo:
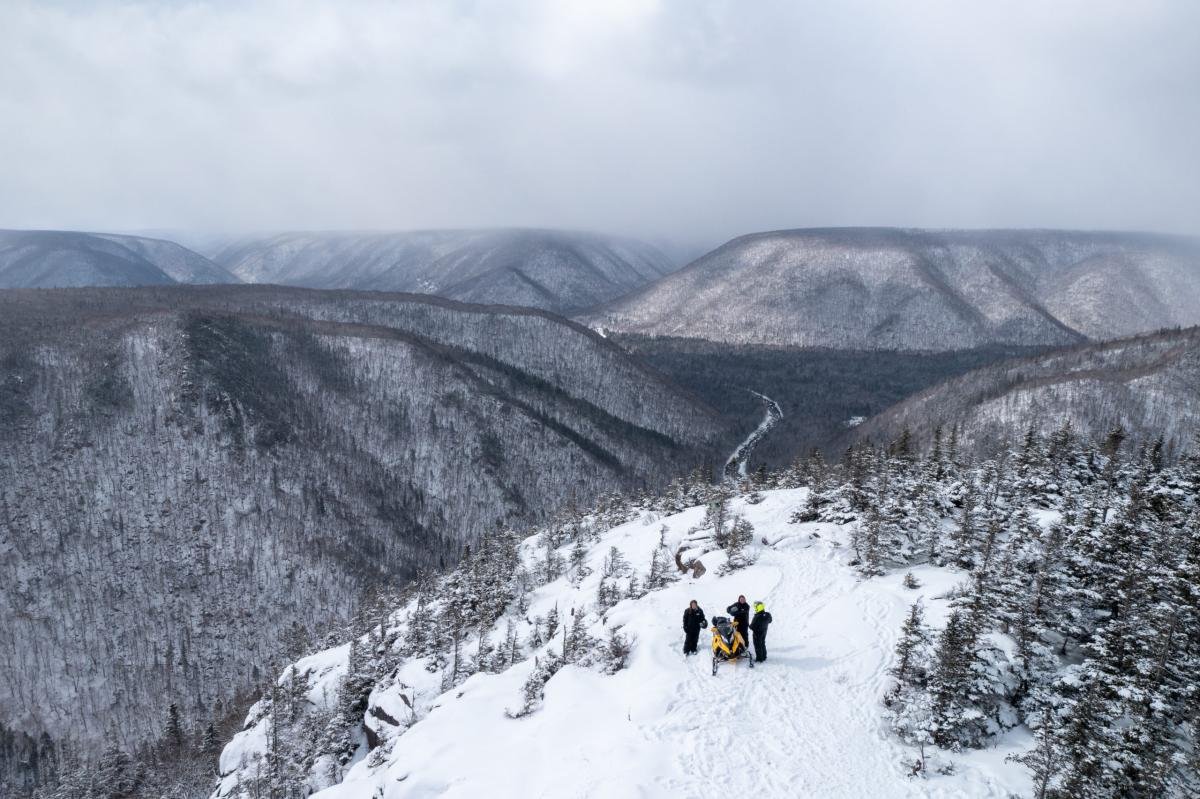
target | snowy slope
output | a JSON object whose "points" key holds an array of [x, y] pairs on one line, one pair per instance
{"points": [[808, 722], [922, 290], [1150, 385], [561, 271], [181, 264], [51, 258]]}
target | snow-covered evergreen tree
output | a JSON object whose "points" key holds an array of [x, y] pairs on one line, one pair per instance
{"points": [[662, 568]]}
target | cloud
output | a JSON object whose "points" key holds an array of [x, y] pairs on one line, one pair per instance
{"points": [[678, 118]]}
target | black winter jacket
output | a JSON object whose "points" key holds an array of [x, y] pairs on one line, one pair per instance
{"points": [[761, 620], [741, 612], [694, 621]]}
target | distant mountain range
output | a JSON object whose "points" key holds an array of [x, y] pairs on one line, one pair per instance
{"points": [[839, 288], [195, 479], [52, 259], [920, 290], [559, 271], [553, 270], [1149, 385]]}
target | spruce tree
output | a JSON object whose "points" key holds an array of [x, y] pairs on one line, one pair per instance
{"points": [[869, 543], [1084, 747], [615, 564], [936, 468], [116, 775], [950, 681], [535, 635], [965, 537], [902, 447], [913, 639], [484, 659], [716, 517], [173, 729], [577, 566], [662, 568], [511, 653], [616, 651], [1045, 761], [210, 747], [552, 561], [607, 595], [1111, 451]]}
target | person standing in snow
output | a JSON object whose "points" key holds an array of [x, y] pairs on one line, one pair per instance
{"points": [[740, 612], [762, 620], [693, 623]]}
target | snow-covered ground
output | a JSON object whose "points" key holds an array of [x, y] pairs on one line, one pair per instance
{"points": [[808, 722]]}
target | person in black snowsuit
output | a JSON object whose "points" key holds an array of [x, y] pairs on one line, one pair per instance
{"points": [[758, 627], [693, 623], [740, 612]]}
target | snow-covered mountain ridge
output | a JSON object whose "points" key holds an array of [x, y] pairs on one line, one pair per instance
{"points": [[920, 290], [551, 666], [555, 270], [1149, 385], [52, 258]]}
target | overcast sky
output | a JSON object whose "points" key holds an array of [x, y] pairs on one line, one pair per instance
{"points": [[691, 120]]}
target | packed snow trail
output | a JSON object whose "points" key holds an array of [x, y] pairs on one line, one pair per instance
{"points": [[739, 461], [807, 722]]}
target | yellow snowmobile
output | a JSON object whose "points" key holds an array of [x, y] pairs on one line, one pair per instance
{"points": [[728, 643]]}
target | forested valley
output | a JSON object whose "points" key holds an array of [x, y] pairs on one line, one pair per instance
{"points": [[824, 393], [197, 484]]}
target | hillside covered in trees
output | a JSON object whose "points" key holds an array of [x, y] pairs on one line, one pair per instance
{"points": [[557, 270], [1023, 625], [1148, 385], [822, 392], [196, 483], [921, 290], [50, 258]]}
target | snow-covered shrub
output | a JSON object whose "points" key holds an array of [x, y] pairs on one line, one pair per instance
{"points": [[534, 689], [662, 568], [617, 650], [736, 543], [615, 564]]}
